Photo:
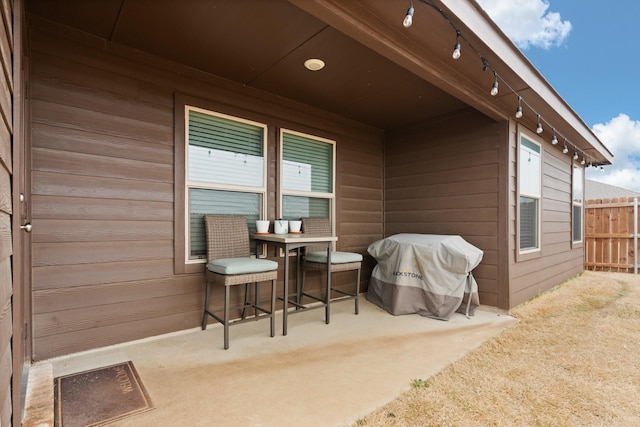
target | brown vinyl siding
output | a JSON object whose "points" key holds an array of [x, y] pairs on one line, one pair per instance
{"points": [[6, 325], [103, 187], [558, 259], [7, 365], [443, 178]]}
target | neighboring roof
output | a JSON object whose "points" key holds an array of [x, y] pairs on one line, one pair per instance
{"points": [[598, 190]]}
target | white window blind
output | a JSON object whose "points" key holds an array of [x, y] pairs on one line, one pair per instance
{"points": [[224, 151], [529, 168], [307, 164]]}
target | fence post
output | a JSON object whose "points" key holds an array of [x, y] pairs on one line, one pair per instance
{"points": [[635, 235]]}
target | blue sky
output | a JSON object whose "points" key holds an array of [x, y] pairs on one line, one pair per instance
{"points": [[589, 52]]}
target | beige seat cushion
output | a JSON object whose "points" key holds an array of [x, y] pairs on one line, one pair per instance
{"points": [[336, 257], [230, 266]]}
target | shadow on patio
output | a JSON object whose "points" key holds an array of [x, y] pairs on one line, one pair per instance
{"points": [[318, 375]]}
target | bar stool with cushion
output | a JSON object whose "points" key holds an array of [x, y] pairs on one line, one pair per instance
{"points": [[316, 259], [229, 263]]}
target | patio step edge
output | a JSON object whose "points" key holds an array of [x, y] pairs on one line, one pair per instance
{"points": [[38, 410]]}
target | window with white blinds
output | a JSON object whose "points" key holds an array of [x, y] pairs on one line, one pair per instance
{"points": [[530, 185], [225, 172], [578, 202], [307, 184]]}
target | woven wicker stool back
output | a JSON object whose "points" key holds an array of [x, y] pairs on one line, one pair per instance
{"points": [[227, 236]]}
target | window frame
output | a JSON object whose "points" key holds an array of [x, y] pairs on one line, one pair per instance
{"points": [[183, 104], [528, 253], [301, 193], [574, 204]]}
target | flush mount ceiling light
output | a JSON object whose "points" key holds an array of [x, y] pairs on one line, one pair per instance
{"points": [[314, 64]]}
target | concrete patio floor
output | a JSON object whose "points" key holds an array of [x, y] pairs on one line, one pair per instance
{"points": [[317, 375]]}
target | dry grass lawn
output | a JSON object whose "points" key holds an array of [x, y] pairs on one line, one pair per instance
{"points": [[573, 359]]}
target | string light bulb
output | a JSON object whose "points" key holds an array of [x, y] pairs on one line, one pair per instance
{"points": [[519, 109], [539, 127], [456, 54], [456, 48], [494, 88], [408, 19]]}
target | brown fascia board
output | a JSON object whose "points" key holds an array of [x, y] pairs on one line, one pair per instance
{"points": [[509, 56]]}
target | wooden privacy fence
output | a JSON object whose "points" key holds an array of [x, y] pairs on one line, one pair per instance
{"points": [[611, 235]]}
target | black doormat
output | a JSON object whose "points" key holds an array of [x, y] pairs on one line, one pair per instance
{"points": [[99, 396]]}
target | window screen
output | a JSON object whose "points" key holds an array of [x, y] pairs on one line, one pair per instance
{"points": [[307, 176], [203, 202], [530, 184], [225, 172], [578, 194]]}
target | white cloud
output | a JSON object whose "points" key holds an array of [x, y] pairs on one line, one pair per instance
{"points": [[621, 136], [530, 23], [527, 22]]}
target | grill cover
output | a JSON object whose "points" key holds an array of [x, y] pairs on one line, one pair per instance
{"points": [[426, 274]]}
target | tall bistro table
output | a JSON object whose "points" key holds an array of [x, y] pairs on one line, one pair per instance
{"points": [[289, 242]]}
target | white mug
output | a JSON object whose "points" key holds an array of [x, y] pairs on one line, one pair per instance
{"points": [[281, 226]]}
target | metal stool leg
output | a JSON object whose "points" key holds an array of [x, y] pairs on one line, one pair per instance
{"points": [[226, 317], [206, 306], [300, 289], [255, 300], [246, 300], [327, 309], [273, 308], [357, 292]]}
